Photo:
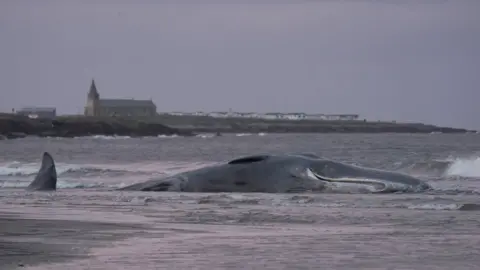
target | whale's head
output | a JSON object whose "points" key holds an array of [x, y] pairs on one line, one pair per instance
{"points": [[341, 174], [309, 172]]}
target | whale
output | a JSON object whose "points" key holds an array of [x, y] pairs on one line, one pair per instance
{"points": [[263, 173], [46, 177], [291, 173]]}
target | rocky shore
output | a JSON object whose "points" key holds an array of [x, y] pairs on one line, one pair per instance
{"points": [[14, 126]]}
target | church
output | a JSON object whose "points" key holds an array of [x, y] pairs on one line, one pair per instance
{"points": [[117, 107]]}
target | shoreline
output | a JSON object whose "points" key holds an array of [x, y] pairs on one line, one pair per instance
{"points": [[79, 230], [28, 241], [15, 126]]}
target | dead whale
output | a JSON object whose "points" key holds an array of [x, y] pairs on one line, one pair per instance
{"points": [[290, 173], [293, 173]]}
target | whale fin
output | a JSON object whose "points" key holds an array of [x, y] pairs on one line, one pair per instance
{"points": [[46, 178]]}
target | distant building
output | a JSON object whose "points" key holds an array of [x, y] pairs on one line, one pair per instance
{"points": [[272, 116], [294, 116], [117, 107], [219, 114], [275, 116], [316, 116], [344, 117], [38, 112]]}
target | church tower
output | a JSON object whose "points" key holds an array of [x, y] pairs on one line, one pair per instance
{"points": [[91, 109]]}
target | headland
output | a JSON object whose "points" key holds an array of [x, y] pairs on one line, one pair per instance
{"points": [[17, 126], [208, 124]]}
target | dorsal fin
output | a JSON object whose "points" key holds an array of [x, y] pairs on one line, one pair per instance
{"points": [[46, 178], [249, 159]]}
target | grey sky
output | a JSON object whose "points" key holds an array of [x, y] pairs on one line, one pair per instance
{"points": [[391, 60]]}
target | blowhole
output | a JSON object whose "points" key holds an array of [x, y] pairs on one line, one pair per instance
{"points": [[250, 159]]}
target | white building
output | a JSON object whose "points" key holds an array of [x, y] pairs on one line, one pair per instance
{"points": [[274, 116], [344, 117], [219, 114], [38, 112], [294, 116]]}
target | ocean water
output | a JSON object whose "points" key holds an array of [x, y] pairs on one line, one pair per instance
{"points": [[437, 229]]}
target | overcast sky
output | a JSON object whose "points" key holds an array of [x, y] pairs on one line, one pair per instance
{"points": [[409, 60]]}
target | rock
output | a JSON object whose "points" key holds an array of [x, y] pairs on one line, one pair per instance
{"points": [[14, 126]]}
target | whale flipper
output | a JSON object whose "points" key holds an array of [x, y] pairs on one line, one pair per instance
{"points": [[46, 178]]}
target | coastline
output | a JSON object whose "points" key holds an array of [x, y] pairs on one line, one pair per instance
{"points": [[15, 126], [206, 124]]}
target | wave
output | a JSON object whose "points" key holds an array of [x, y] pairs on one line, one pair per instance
{"points": [[115, 137], [243, 134], [168, 136], [20, 174], [17, 168], [61, 184], [206, 136], [228, 199], [451, 206], [466, 167], [450, 167]]}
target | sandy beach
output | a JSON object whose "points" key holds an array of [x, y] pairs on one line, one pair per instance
{"points": [[27, 242], [112, 230]]}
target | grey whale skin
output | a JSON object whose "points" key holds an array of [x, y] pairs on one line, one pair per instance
{"points": [[294, 173], [46, 178], [291, 173]]}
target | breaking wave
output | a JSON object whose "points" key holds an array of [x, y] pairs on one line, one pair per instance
{"points": [[115, 137], [202, 135], [450, 167], [243, 134], [19, 174], [16, 168], [468, 167]]}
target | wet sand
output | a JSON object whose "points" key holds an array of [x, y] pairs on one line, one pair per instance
{"points": [[112, 230], [26, 241]]}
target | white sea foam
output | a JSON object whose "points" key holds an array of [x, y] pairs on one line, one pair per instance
{"points": [[466, 167]]}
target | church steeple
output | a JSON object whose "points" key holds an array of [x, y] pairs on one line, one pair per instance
{"points": [[93, 93]]}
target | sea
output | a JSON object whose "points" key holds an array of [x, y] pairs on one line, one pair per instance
{"points": [[437, 229]]}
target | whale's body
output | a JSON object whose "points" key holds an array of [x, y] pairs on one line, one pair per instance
{"points": [[291, 173], [281, 174], [46, 178]]}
